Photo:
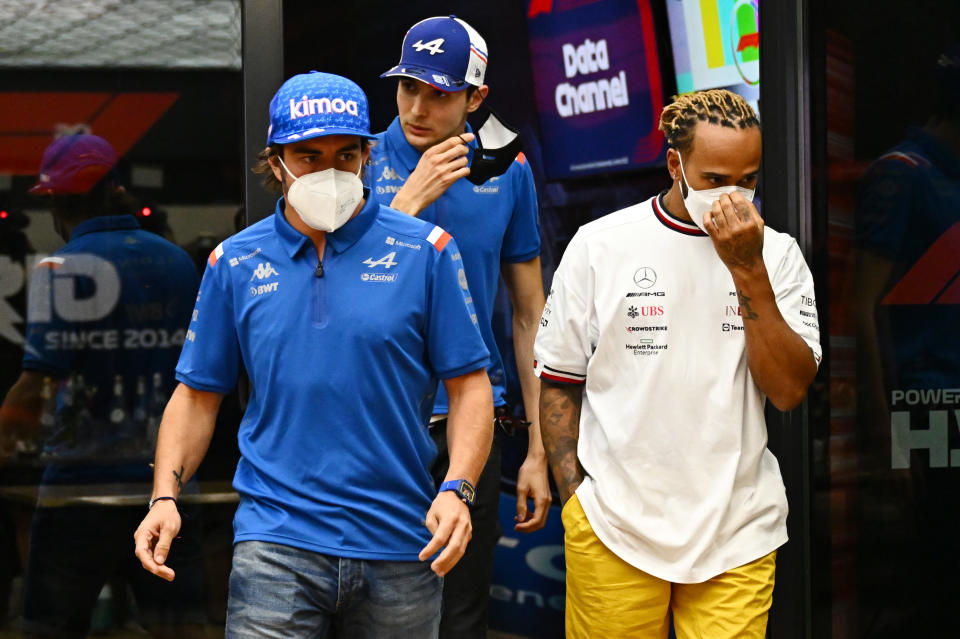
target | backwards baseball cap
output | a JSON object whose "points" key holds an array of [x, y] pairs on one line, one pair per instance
{"points": [[74, 164], [315, 104], [445, 52]]}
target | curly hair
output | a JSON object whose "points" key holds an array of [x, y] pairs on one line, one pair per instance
{"points": [[716, 106]]}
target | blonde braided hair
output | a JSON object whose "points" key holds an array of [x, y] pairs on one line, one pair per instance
{"points": [[716, 106]]}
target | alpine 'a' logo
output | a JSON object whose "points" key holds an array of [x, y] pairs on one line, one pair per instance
{"points": [[386, 261], [433, 46]]}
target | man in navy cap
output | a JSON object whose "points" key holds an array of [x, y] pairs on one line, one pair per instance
{"points": [[425, 164], [345, 314]]}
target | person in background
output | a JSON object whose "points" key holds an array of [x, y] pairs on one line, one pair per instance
{"points": [[106, 317]]}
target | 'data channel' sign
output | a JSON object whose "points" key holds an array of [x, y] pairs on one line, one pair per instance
{"points": [[597, 81]]}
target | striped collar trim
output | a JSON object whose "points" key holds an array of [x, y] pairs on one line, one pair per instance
{"points": [[673, 223]]}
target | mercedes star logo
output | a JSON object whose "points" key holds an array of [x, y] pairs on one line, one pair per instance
{"points": [[645, 277]]}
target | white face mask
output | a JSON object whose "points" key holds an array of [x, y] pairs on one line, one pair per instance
{"points": [[326, 199], [699, 202]]}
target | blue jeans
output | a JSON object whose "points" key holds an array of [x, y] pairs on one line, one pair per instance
{"points": [[280, 591]]}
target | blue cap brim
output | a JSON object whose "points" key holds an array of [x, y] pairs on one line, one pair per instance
{"points": [[454, 85], [310, 134]]}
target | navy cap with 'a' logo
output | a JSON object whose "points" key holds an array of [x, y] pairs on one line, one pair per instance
{"points": [[445, 52]]}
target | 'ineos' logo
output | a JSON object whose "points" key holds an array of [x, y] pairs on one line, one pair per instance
{"points": [[645, 277]]}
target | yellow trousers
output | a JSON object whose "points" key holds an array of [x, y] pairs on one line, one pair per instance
{"points": [[607, 598]]}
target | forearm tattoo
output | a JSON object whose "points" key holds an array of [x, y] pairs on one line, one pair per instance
{"points": [[179, 478], [560, 429], [748, 313]]}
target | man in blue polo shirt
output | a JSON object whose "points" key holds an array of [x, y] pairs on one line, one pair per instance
{"points": [[419, 167], [344, 314], [107, 314]]}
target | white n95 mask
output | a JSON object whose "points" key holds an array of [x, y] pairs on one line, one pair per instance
{"points": [[699, 202], [326, 199]]}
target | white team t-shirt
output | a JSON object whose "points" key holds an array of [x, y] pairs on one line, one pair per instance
{"points": [[644, 314]]}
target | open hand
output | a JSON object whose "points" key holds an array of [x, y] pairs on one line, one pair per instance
{"points": [[449, 521], [154, 537], [532, 483]]}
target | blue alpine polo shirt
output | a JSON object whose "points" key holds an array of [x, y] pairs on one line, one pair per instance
{"points": [[343, 358], [113, 302], [492, 223]]}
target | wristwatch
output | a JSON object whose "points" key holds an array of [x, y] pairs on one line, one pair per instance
{"points": [[463, 488]]}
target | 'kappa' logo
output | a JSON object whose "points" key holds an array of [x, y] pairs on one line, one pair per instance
{"points": [[388, 174], [263, 271]]}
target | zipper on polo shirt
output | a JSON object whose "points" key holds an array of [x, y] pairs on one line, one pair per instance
{"points": [[320, 316]]}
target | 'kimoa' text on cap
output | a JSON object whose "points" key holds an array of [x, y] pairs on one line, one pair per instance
{"points": [[305, 106]]}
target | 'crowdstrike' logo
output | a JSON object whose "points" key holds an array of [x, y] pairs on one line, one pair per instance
{"points": [[645, 277]]}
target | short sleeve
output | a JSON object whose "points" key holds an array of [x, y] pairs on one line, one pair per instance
{"points": [[563, 346], [210, 359], [796, 299], [454, 343], [884, 204], [521, 242]]}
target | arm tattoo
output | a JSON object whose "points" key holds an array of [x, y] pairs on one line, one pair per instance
{"points": [[179, 478], [748, 313], [560, 428]]}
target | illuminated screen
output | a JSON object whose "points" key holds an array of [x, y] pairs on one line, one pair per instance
{"points": [[716, 44], [597, 85]]}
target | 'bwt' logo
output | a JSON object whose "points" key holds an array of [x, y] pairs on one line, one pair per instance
{"points": [[307, 106]]}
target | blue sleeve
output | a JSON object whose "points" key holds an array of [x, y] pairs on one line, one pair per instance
{"points": [[522, 239], [369, 179], [885, 203], [454, 344], [210, 359]]}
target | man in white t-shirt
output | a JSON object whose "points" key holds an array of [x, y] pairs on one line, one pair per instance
{"points": [[668, 326]]}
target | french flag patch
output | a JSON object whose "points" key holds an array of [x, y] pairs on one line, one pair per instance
{"points": [[439, 238], [215, 255]]}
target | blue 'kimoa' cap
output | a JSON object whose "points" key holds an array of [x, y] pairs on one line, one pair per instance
{"points": [[311, 105]]}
